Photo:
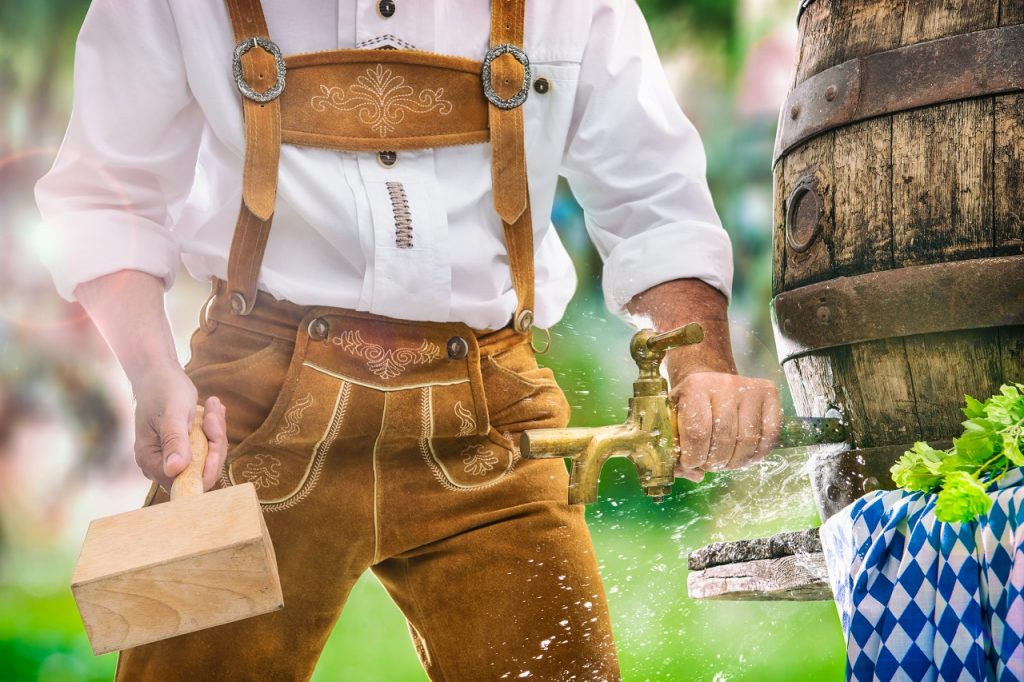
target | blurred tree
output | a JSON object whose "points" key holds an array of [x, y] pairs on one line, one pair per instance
{"points": [[712, 23]]}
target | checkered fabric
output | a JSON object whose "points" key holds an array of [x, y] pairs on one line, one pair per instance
{"points": [[924, 600]]}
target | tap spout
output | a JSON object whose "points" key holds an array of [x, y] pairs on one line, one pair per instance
{"points": [[606, 442]]}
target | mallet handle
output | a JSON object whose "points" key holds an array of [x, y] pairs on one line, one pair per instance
{"points": [[190, 481]]}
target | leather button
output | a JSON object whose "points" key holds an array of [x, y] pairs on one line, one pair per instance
{"points": [[387, 159], [542, 85], [386, 8], [318, 329], [457, 348]]}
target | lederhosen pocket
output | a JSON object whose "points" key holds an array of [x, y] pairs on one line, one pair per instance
{"points": [[359, 376]]}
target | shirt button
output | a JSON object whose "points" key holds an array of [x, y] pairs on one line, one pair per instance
{"points": [[387, 159], [386, 8], [541, 85], [457, 348]]}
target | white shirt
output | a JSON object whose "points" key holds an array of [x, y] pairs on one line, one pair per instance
{"points": [[150, 171]]}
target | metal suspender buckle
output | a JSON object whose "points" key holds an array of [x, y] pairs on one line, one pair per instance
{"points": [[490, 93], [236, 68]]}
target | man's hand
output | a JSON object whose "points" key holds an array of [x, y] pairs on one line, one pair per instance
{"points": [[165, 405], [725, 422], [128, 309]]}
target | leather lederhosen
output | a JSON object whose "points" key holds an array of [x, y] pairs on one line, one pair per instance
{"points": [[309, 100]]}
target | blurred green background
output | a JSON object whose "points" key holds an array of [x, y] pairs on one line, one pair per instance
{"points": [[65, 409]]}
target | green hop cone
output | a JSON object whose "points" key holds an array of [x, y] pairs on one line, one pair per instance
{"points": [[962, 498]]}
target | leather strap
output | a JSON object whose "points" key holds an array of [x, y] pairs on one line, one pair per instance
{"points": [[263, 138], [508, 154], [369, 100], [262, 157]]}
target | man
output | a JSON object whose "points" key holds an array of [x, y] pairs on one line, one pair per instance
{"points": [[368, 367]]}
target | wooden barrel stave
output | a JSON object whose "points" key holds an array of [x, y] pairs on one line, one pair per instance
{"points": [[937, 184]]}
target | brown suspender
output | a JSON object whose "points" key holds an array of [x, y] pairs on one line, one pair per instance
{"points": [[450, 106], [262, 155], [508, 153]]}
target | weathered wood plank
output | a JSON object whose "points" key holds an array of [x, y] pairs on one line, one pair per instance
{"points": [[877, 371], [1011, 346], [778, 235], [815, 384], [793, 578], [834, 31], [1009, 172], [861, 236], [1011, 12], [942, 183], [944, 367], [941, 18], [810, 161], [774, 547]]}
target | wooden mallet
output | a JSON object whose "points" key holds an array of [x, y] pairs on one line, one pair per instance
{"points": [[200, 560]]}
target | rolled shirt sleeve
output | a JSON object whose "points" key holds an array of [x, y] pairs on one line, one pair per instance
{"points": [[129, 153], [637, 167]]}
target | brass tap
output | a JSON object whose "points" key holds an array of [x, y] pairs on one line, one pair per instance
{"points": [[649, 437]]}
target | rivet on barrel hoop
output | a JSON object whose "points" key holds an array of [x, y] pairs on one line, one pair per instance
{"points": [[831, 92], [804, 211]]}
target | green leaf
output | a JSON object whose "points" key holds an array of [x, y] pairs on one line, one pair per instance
{"points": [[976, 446], [974, 409], [1011, 450]]}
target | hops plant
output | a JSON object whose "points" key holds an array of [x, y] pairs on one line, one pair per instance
{"points": [[990, 446]]}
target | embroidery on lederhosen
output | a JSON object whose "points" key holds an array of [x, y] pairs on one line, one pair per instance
{"points": [[467, 425], [386, 363], [382, 99], [330, 435], [291, 420], [403, 215], [264, 471], [477, 458]]}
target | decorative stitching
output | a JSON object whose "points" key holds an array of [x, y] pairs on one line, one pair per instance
{"points": [[537, 383], [403, 216], [261, 473], [386, 38], [376, 481], [478, 460], [427, 452], [381, 99], [291, 419], [319, 453], [467, 425], [386, 363], [377, 387]]}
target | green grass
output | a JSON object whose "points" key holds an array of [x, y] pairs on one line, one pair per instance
{"points": [[662, 635]]}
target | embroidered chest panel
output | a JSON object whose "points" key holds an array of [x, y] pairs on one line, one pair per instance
{"points": [[368, 100]]}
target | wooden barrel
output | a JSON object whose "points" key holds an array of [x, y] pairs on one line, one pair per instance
{"points": [[899, 222]]}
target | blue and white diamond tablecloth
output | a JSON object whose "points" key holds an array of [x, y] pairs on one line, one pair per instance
{"points": [[925, 600]]}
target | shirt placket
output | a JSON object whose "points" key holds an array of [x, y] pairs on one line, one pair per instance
{"points": [[411, 257]]}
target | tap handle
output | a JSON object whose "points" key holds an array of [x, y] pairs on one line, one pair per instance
{"points": [[684, 336], [648, 349]]}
